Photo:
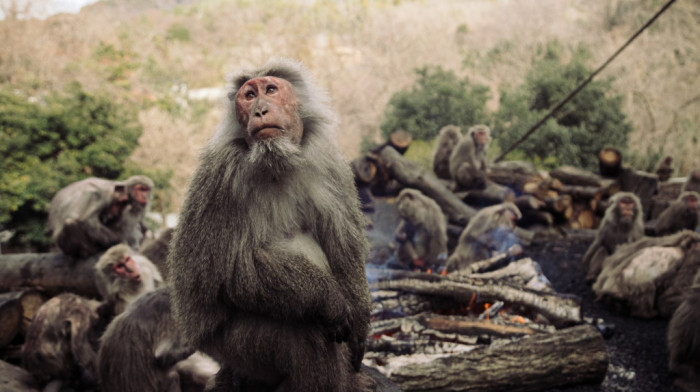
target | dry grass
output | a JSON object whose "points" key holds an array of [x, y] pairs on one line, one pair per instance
{"points": [[363, 52]]}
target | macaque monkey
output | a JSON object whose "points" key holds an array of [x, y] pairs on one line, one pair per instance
{"points": [[156, 250], [664, 169], [684, 340], [489, 232], [622, 223], [693, 182], [62, 341], [123, 275], [468, 159], [89, 216], [267, 261], [446, 141], [143, 350], [682, 214], [422, 231]]}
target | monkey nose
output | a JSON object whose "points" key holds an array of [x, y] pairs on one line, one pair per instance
{"points": [[260, 109]]}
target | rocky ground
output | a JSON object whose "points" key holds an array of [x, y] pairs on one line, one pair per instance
{"points": [[637, 347]]}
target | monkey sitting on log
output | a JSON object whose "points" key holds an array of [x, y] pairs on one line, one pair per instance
{"points": [[447, 139], [143, 350], [267, 261], [683, 340], [62, 340], [422, 232], [490, 231], [123, 275], [682, 214], [468, 159], [89, 216], [664, 169], [693, 182], [622, 223]]}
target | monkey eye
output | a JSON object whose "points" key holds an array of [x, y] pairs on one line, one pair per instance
{"points": [[250, 94], [270, 89]]}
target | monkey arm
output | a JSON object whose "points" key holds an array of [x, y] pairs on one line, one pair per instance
{"points": [[292, 287]]}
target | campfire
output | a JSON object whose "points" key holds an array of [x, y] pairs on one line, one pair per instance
{"points": [[496, 326]]}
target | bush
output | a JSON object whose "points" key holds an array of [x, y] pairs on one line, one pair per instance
{"points": [[575, 134], [438, 98], [45, 146]]}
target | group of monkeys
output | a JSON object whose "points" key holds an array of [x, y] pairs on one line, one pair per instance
{"points": [[261, 286]]}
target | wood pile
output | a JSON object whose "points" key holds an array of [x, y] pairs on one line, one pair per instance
{"points": [[563, 198], [481, 329]]}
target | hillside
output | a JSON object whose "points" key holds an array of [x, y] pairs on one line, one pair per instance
{"points": [[155, 52]]}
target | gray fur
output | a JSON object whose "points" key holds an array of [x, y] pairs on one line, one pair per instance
{"points": [[422, 232], [264, 309], [611, 233], [468, 160], [447, 140], [678, 216]]}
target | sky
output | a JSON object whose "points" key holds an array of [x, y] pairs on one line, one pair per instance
{"points": [[50, 7]]}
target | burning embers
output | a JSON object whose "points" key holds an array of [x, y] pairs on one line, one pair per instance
{"points": [[426, 325]]}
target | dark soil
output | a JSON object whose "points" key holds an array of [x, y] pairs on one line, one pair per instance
{"points": [[637, 347]]}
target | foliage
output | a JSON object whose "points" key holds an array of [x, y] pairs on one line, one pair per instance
{"points": [[575, 134], [438, 98], [177, 32], [421, 152], [45, 146]]}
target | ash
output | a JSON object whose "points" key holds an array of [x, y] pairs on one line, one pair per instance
{"points": [[637, 347]]}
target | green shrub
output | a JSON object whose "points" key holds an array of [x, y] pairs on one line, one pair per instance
{"points": [[438, 98], [45, 146], [575, 134]]}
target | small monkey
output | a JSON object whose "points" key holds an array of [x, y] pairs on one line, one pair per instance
{"points": [[682, 214], [123, 275], [468, 159], [422, 232]]}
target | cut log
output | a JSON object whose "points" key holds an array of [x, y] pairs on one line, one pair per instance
{"points": [[528, 203], [30, 300], [570, 175], [53, 273], [400, 140], [414, 176], [492, 194], [475, 328], [568, 356], [560, 310], [364, 169], [16, 379], [10, 320], [610, 162], [513, 174]]}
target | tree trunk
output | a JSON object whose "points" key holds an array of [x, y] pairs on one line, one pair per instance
{"points": [[30, 300], [610, 162], [53, 273], [532, 363], [575, 176], [10, 320]]}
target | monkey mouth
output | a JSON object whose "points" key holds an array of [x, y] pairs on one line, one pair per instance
{"points": [[267, 132]]}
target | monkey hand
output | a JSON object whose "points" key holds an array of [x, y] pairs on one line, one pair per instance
{"points": [[337, 327], [357, 351]]}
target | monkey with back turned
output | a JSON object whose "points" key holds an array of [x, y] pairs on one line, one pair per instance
{"points": [[267, 261], [422, 231]]}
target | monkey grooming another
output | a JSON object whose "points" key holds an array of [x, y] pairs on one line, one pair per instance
{"points": [[90, 215], [267, 261]]}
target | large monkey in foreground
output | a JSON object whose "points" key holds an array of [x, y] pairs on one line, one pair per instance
{"points": [[267, 261]]}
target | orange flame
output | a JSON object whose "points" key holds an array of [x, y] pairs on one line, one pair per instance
{"points": [[428, 271], [444, 272], [518, 319]]}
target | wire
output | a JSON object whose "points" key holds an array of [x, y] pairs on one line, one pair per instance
{"points": [[585, 82]]}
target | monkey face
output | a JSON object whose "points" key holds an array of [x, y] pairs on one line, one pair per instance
{"points": [[267, 108], [691, 202], [480, 137], [626, 209], [140, 193], [126, 268]]}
